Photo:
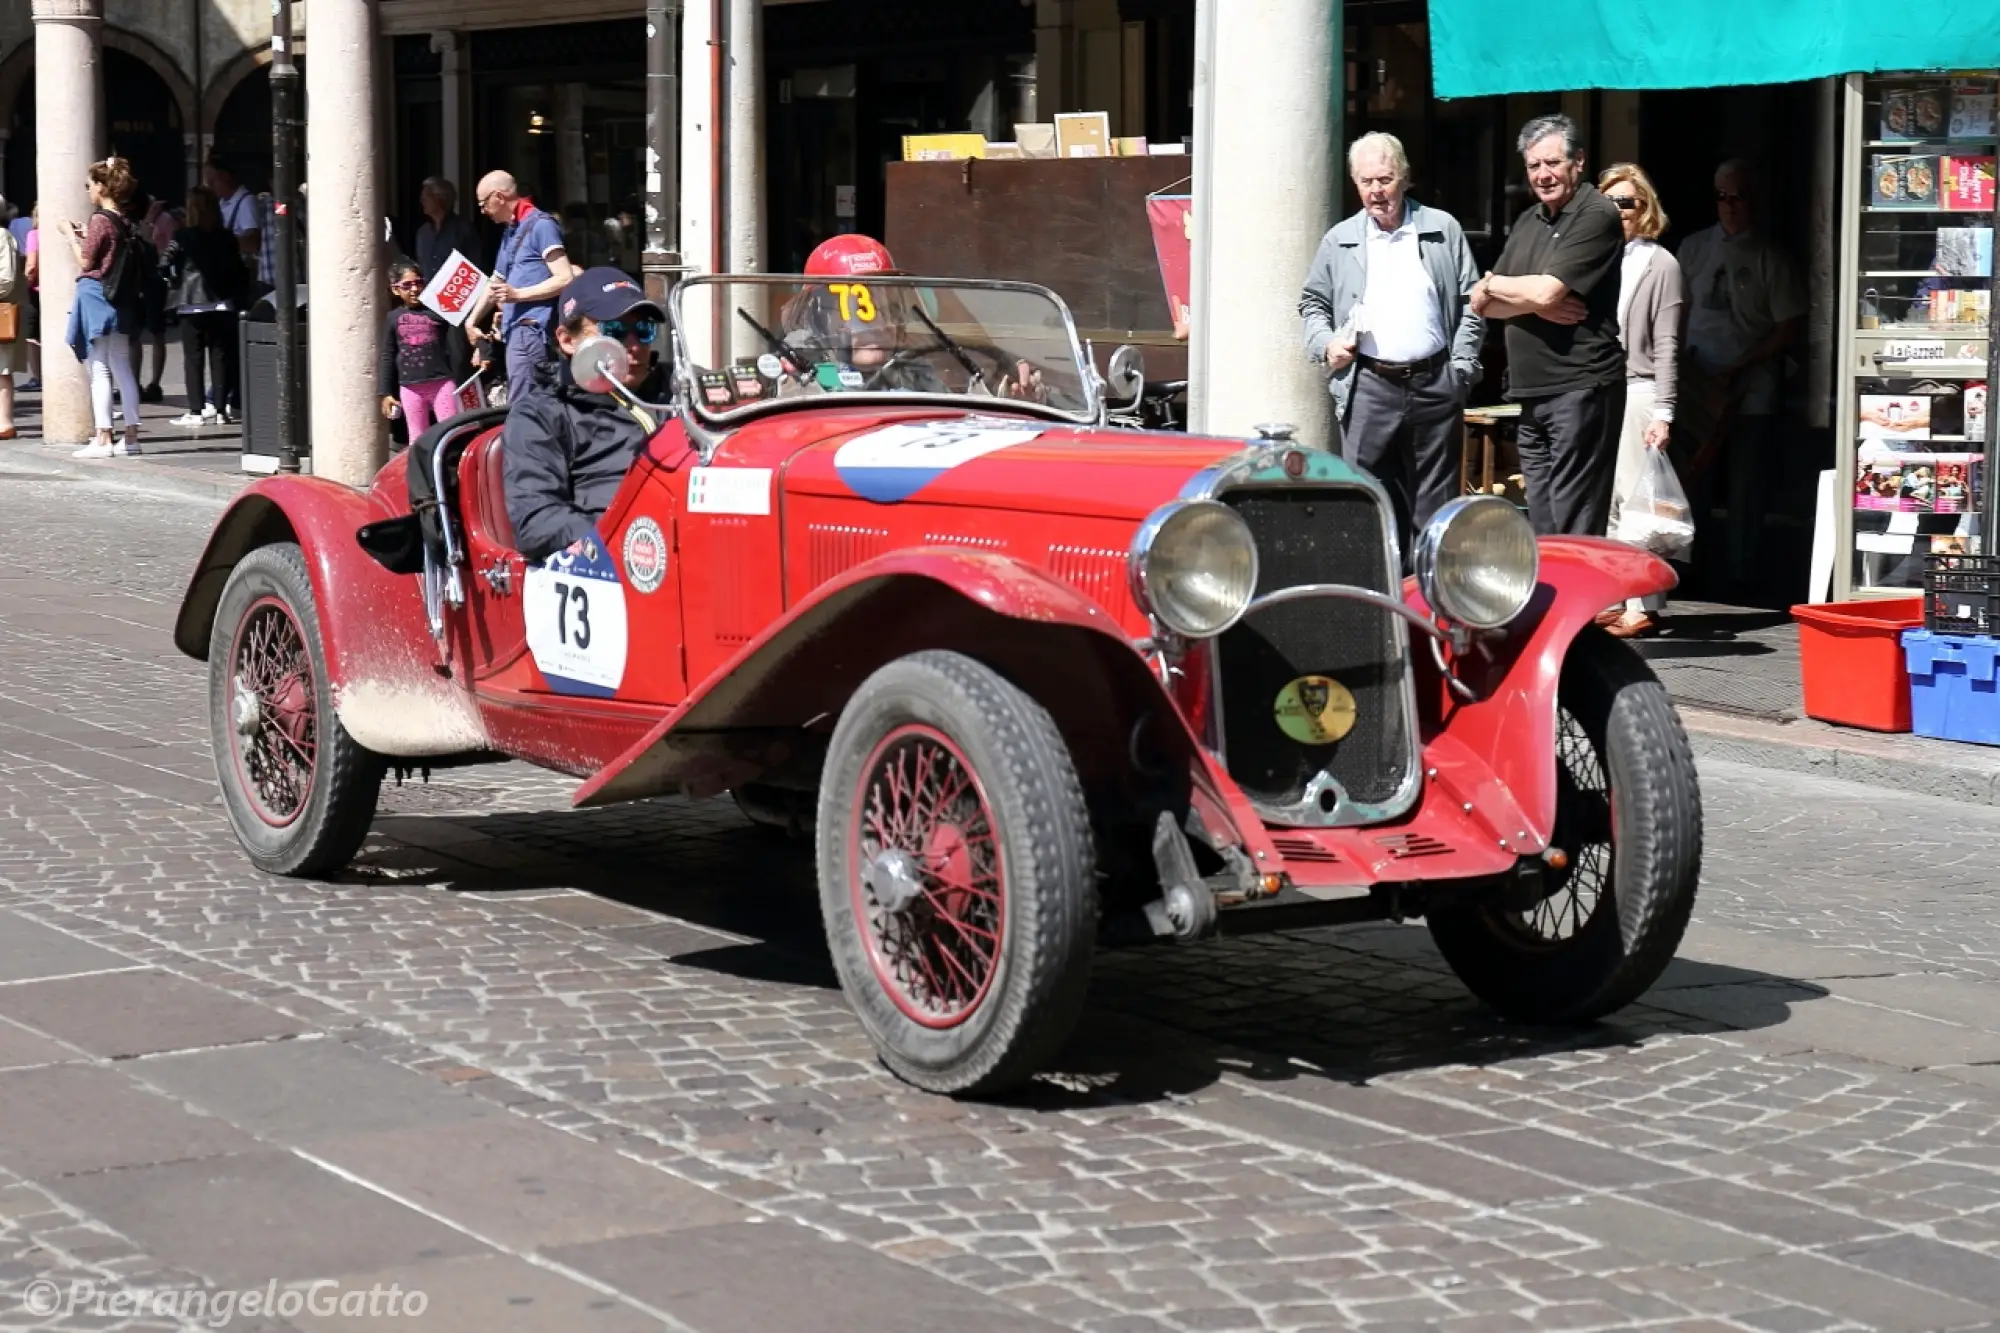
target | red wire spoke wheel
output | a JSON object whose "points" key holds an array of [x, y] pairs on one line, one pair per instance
{"points": [[299, 791], [957, 873], [1604, 925], [928, 881], [274, 734]]}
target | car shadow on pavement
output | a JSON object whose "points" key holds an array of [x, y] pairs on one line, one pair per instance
{"points": [[1350, 1004]]}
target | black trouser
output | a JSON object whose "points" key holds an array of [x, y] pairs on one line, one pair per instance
{"points": [[210, 334], [1407, 431], [1569, 455]]}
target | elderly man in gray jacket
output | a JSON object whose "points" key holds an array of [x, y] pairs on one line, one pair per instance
{"points": [[1388, 316]]}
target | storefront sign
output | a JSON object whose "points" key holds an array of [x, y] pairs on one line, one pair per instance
{"points": [[455, 289], [1172, 218]]}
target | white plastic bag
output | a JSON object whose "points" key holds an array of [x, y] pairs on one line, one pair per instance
{"points": [[1656, 515]]}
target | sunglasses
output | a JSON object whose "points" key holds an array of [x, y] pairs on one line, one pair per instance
{"points": [[645, 330], [1728, 197], [1626, 203], [412, 285]]}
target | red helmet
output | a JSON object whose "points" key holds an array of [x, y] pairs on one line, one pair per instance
{"points": [[849, 256]]}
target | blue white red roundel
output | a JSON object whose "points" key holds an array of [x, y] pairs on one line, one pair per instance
{"points": [[896, 462]]}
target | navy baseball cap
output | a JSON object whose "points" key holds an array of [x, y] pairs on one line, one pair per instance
{"points": [[604, 293]]}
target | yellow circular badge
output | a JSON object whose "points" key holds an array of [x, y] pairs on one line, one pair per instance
{"points": [[1314, 710]]}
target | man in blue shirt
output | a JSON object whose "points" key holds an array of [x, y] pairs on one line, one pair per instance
{"points": [[19, 226], [532, 269]]}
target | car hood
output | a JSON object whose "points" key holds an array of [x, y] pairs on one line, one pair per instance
{"points": [[999, 462]]}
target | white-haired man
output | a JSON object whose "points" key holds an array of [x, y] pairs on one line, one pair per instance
{"points": [[1388, 316], [1556, 285]]}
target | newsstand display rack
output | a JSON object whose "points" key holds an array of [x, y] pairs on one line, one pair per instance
{"points": [[1915, 312]]}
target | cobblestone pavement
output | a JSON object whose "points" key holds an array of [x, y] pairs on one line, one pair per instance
{"points": [[589, 1070]]}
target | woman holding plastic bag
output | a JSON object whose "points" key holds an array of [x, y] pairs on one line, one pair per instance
{"points": [[1648, 507]]}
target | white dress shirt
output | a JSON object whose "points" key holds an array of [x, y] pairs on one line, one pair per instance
{"points": [[1398, 319]]}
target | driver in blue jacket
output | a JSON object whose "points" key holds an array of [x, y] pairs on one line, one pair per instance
{"points": [[565, 452]]}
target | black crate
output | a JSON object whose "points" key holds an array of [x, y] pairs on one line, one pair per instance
{"points": [[1962, 594]]}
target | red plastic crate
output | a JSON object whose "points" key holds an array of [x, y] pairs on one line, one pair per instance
{"points": [[1851, 661]]}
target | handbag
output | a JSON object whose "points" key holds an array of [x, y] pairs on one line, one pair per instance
{"points": [[10, 322]]}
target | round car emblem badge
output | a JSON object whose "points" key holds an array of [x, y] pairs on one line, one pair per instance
{"points": [[1314, 710], [645, 555]]}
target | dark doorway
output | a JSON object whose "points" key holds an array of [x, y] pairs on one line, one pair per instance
{"points": [[243, 128], [143, 124], [847, 82]]}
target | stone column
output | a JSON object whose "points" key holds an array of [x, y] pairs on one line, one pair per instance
{"points": [[743, 138], [456, 61], [343, 243], [191, 147], [1055, 57], [69, 123], [701, 239], [1267, 147]]}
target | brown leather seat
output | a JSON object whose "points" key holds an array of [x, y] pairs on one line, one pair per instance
{"points": [[484, 469]]}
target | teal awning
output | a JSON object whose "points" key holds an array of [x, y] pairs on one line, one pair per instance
{"points": [[1481, 47]]}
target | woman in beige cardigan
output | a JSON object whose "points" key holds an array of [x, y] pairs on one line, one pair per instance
{"points": [[1649, 324]]}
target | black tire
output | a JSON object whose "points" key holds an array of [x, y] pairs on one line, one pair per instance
{"points": [[776, 808], [288, 827], [1023, 804], [1614, 715]]}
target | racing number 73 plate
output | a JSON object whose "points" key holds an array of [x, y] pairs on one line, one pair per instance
{"points": [[575, 608]]}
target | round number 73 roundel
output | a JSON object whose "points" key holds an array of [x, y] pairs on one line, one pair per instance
{"points": [[575, 609]]}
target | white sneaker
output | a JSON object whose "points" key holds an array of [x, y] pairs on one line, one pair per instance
{"points": [[196, 420], [96, 449], [125, 449]]}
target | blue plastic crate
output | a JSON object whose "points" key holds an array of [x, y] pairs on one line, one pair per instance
{"points": [[1954, 694]]}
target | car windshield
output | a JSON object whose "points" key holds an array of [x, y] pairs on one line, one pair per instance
{"points": [[749, 343]]}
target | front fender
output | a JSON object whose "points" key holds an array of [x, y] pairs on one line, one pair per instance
{"points": [[802, 669], [382, 666], [1511, 731]]}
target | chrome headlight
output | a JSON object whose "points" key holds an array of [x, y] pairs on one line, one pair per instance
{"points": [[1477, 562], [1194, 567]]}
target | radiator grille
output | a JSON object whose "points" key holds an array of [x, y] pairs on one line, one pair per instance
{"points": [[1315, 535]]}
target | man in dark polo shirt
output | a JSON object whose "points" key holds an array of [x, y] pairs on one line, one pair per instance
{"points": [[1556, 286]]}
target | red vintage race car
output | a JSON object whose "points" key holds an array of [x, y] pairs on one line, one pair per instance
{"points": [[1039, 685]]}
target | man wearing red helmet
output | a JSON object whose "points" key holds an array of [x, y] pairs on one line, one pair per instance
{"points": [[865, 332]]}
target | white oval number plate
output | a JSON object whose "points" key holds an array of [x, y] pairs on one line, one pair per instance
{"points": [[575, 608]]}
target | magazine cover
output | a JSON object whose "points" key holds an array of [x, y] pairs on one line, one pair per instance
{"points": [[1971, 112], [1899, 120], [1895, 417]]}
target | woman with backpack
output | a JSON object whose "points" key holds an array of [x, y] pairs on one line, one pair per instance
{"points": [[205, 262], [109, 308]]}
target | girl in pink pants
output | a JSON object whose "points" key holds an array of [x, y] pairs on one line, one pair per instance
{"points": [[423, 358]]}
